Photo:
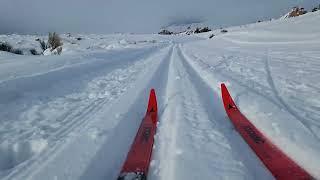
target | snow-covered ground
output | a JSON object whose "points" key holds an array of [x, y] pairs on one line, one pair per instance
{"points": [[74, 116]]}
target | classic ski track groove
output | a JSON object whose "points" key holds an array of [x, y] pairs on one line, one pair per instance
{"points": [[75, 112], [134, 122], [167, 109], [220, 122], [78, 120], [172, 116], [191, 109]]}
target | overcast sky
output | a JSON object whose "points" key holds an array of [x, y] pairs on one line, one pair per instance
{"points": [[137, 16]]}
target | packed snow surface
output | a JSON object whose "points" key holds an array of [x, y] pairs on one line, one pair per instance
{"points": [[75, 116]]}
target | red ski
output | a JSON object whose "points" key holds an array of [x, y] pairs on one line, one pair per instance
{"points": [[278, 163], [138, 159]]}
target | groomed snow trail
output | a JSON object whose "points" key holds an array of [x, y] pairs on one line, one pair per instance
{"points": [[75, 116], [195, 139], [102, 116]]}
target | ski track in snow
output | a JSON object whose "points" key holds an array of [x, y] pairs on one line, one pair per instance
{"points": [[60, 123], [69, 106], [95, 118], [267, 107], [75, 116], [193, 107]]}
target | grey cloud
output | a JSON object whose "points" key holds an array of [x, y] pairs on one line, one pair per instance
{"points": [[139, 16]]}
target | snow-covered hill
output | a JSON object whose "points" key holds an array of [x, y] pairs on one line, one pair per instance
{"points": [[74, 116]]}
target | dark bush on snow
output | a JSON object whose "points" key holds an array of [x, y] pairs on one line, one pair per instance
{"points": [[34, 52], [316, 8], [224, 31], [205, 29], [54, 41], [4, 46], [59, 50], [165, 32], [43, 45], [197, 31], [17, 51], [202, 30]]}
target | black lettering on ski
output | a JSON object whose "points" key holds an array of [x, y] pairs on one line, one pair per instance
{"points": [[253, 135]]}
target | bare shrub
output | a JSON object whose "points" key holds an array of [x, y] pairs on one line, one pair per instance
{"points": [[59, 50], [224, 31], [205, 29], [202, 30], [165, 32], [316, 8], [17, 51], [43, 45], [4, 46], [34, 52], [197, 30], [54, 41]]}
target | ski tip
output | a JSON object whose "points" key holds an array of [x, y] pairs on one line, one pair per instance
{"points": [[152, 105], [223, 86], [224, 91], [226, 98]]}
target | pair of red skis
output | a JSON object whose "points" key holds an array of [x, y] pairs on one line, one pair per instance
{"points": [[278, 163]]}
